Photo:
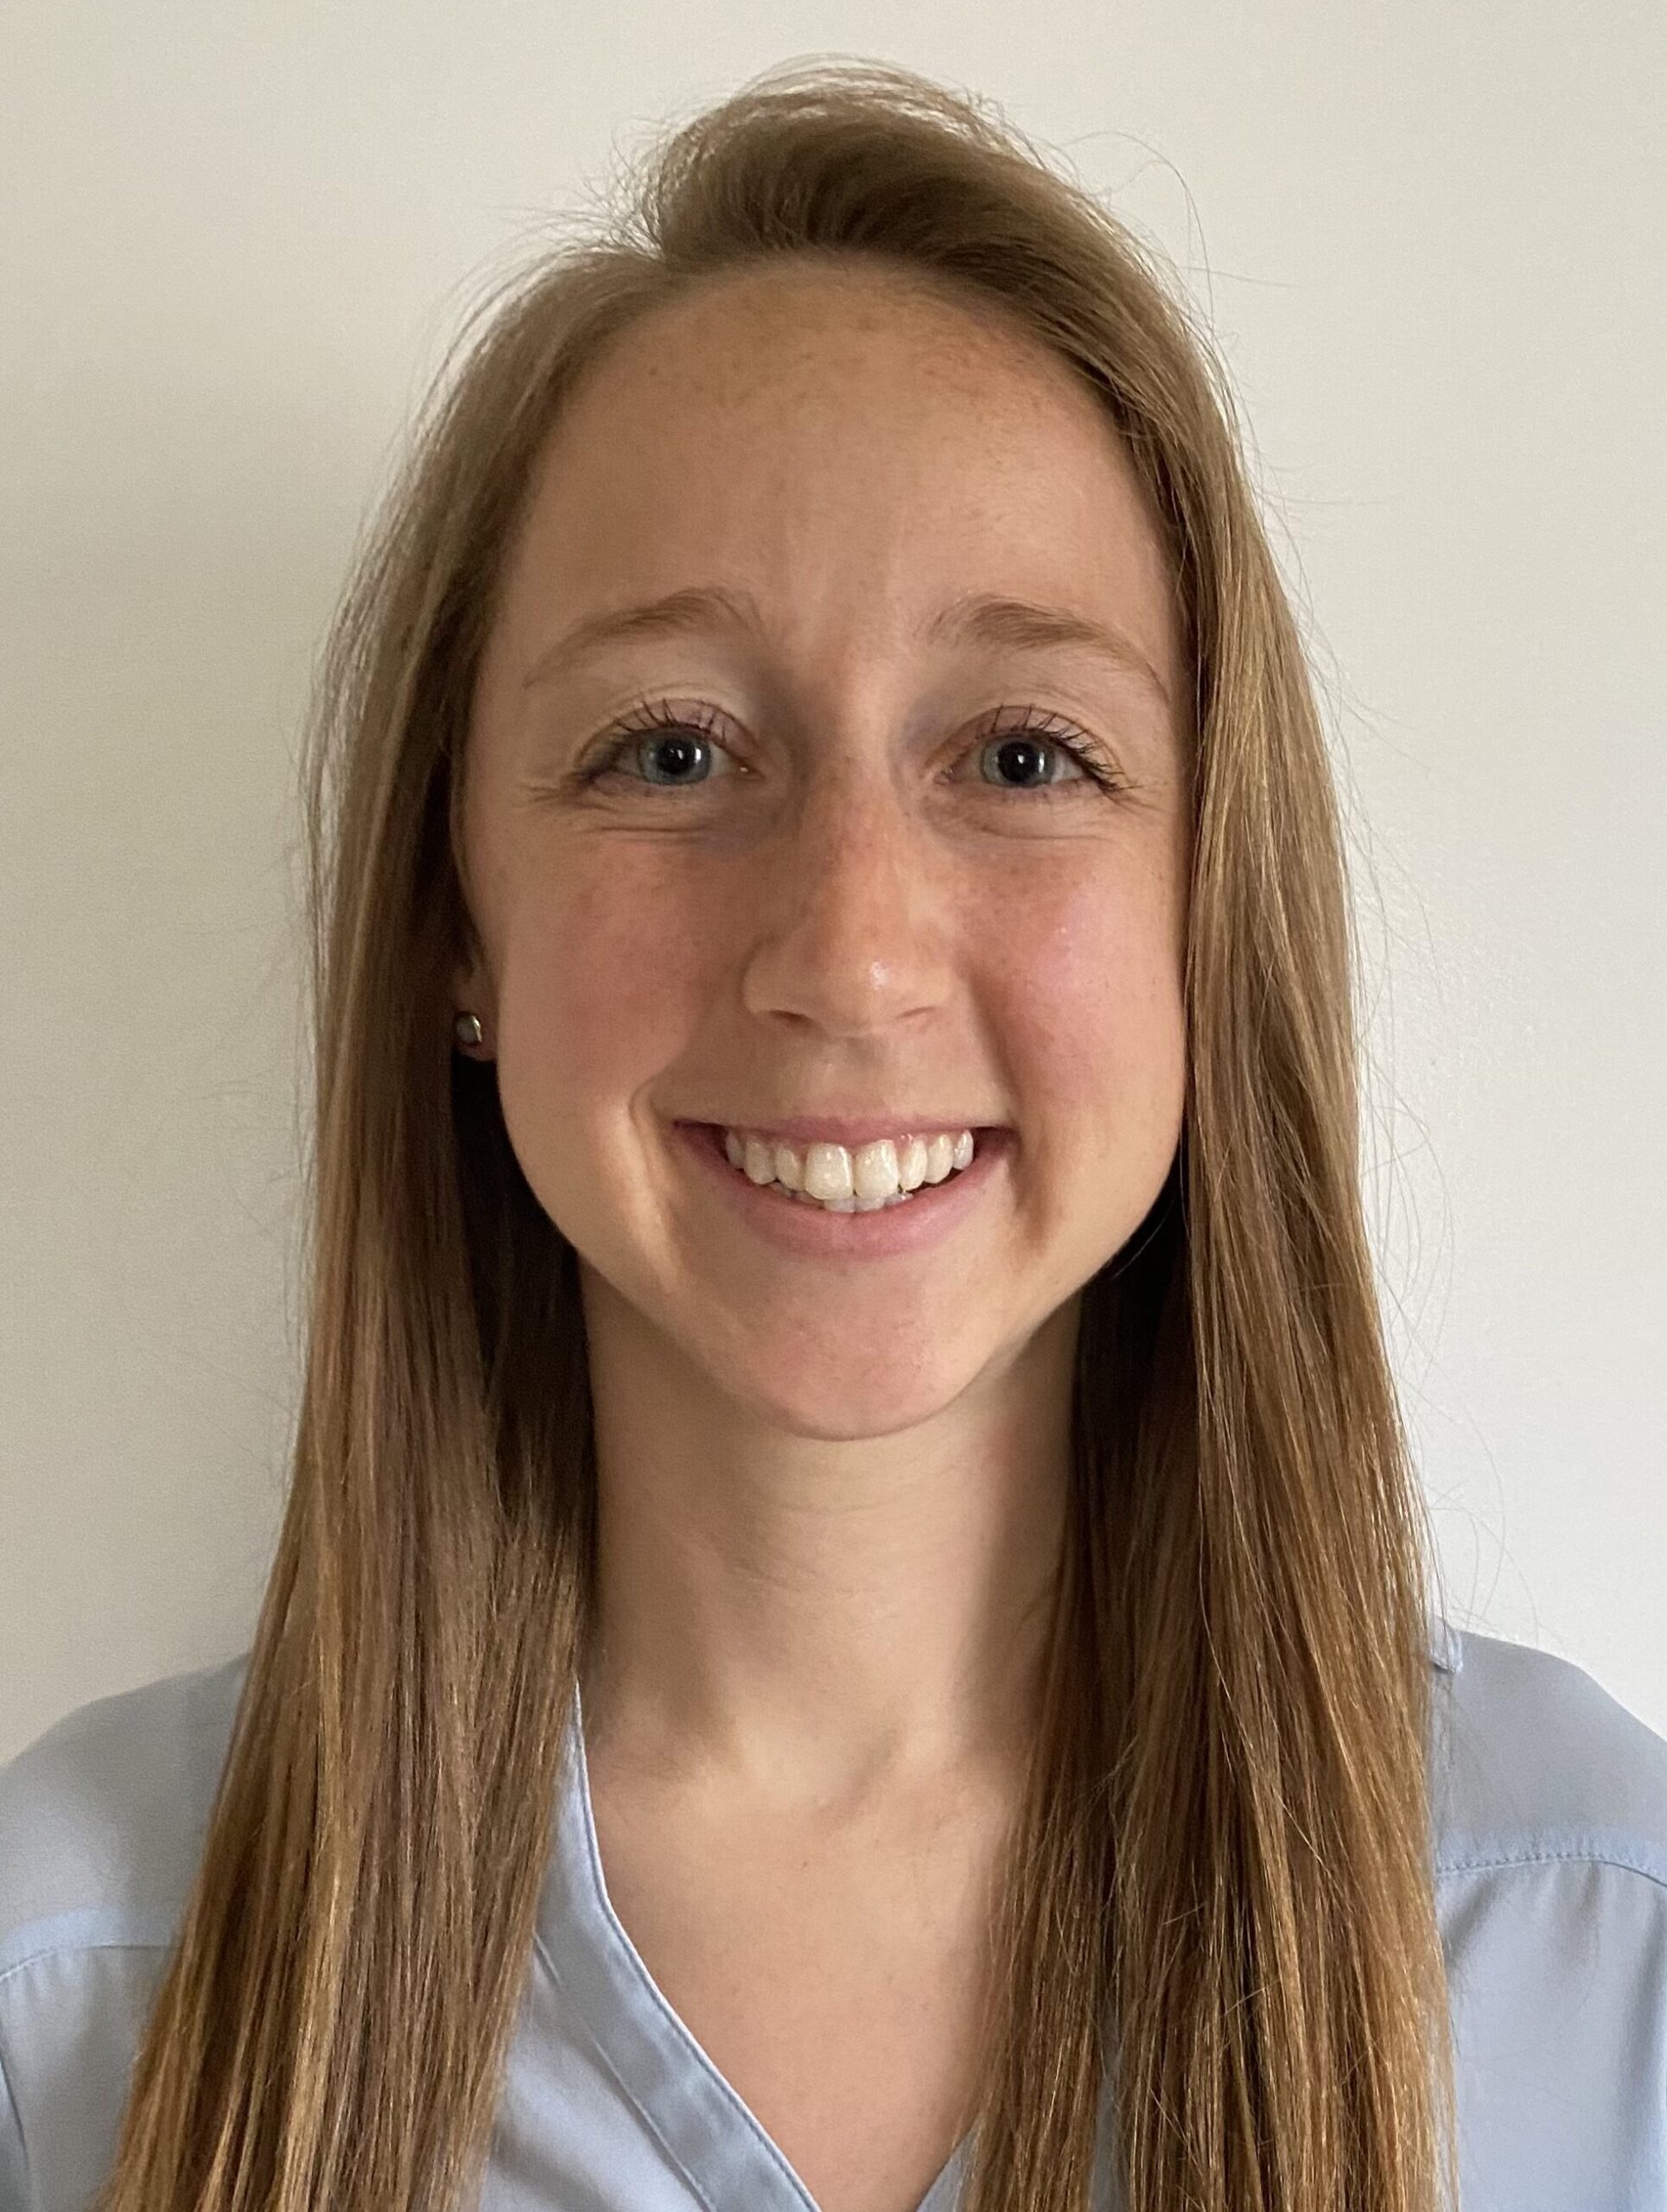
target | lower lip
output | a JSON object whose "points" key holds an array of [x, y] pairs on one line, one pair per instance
{"points": [[934, 1211]]}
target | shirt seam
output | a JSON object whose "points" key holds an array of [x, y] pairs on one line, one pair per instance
{"points": [[16, 2120], [1505, 1862], [76, 1950]]}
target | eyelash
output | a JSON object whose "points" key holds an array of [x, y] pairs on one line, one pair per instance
{"points": [[661, 716]]}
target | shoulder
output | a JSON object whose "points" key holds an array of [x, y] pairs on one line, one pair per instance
{"points": [[1550, 1806], [1535, 1763], [102, 1817], [102, 1823]]}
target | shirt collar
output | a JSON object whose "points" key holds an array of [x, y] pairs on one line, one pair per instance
{"points": [[1447, 1648]]}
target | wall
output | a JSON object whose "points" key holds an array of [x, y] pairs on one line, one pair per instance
{"points": [[1434, 245]]}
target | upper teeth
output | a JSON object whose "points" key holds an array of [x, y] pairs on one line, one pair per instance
{"points": [[856, 1179]]}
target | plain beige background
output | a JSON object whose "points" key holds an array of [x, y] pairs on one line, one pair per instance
{"points": [[1433, 243]]}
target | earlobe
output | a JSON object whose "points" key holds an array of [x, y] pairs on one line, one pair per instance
{"points": [[469, 994]]}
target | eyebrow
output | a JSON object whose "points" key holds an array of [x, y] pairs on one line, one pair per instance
{"points": [[987, 619]]}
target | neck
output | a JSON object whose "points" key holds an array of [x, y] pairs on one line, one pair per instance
{"points": [[817, 1621]]}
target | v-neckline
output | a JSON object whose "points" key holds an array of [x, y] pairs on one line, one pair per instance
{"points": [[702, 2122]]}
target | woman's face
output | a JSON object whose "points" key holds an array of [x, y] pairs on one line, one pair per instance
{"points": [[832, 883]]}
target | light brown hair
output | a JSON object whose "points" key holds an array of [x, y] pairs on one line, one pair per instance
{"points": [[1221, 1898]]}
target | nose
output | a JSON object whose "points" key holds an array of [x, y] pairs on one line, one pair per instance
{"points": [[853, 909]]}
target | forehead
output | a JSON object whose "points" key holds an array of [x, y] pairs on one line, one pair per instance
{"points": [[843, 445]]}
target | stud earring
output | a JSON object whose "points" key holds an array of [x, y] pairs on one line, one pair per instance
{"points": [[466, 1029]]}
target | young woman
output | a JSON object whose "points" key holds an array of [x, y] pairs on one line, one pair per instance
{"points": [[851, 1630]]}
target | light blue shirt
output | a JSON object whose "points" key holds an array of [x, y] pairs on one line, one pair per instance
{"points": [[1550, 1835]]}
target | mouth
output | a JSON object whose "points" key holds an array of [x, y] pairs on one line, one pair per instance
{"points": [[906, 1220]]}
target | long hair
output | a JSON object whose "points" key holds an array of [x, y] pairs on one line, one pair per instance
{"points": [[1218, 1894]]}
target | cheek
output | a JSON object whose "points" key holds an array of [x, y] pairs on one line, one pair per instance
{"points": [[1089, 976], [594, 1000]]}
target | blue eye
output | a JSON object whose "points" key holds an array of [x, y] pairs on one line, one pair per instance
{"points": [[1035, 740], [679, 734]]}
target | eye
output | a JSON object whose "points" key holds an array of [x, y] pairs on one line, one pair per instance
{"points": [[1033, 738], [676, 737], [675, 731]]}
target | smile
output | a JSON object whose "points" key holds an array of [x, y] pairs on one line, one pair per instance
{"points": [[861, 1178], [871, 1219]]}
